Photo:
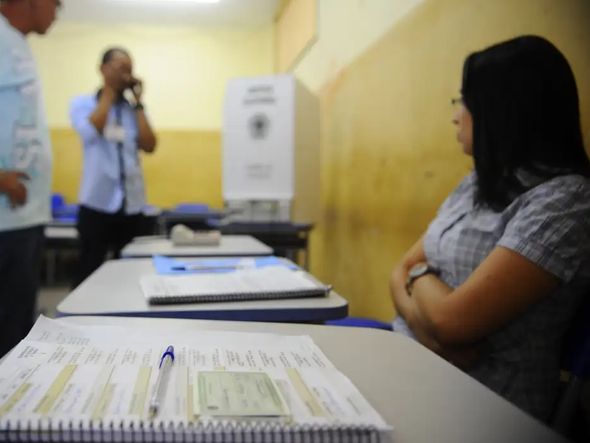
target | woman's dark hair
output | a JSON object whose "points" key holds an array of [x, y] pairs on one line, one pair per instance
{"points": [[523, 98], [110, 53]]}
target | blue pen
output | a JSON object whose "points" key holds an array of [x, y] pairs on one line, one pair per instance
{"points": [[195, 267], [161, 382]]}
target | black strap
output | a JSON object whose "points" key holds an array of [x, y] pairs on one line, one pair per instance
{"points": [[119, 121]]}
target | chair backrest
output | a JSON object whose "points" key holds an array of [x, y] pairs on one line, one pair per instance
{"points": [[576, 350], [575, 359], [57, 202]]}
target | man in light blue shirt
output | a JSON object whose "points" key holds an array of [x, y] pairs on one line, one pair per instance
{"points": [[25, 166], [112, 130]]}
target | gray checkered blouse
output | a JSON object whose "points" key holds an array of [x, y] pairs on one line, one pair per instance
{"points": [[549, 225]]}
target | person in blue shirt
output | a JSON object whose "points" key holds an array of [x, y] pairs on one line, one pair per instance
{"points": [[113, 130], [25, 166]]}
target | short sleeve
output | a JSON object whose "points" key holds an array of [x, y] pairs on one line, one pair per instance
{"points": [[80, 110], [551, 226]]}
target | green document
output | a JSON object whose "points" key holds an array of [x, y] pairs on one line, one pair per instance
{"points": [[239, 394]]}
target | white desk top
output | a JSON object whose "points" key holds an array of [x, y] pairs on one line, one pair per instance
{"points": [[230, 245], [113, 289], [425, 398], [61, 232]]}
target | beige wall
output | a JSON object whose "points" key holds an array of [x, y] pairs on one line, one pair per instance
{"points": [[346, 29], [389, 154], [296, 31]]}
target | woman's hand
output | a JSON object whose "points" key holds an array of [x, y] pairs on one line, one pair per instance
{"points": [[462, 356], [502, 287]]}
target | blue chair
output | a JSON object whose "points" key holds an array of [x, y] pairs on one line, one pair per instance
{"points": [[576, 361], [359, 322], [192, 208], [61, 211], [57, 203], [68, 213]]}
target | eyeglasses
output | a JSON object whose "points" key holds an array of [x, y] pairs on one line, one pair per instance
{"points": [[457, 101]]}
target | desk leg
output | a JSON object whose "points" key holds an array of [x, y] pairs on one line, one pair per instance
{"points": [[50, 266], [306, 252], [161, 227]]}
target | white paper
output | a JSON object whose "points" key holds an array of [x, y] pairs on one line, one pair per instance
{"points": [[82, 374], [265, 280]]}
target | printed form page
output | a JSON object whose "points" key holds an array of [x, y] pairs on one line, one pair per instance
{"points": [[77, 375]]}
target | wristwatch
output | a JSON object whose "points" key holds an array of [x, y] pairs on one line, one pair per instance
{"points": [[417, 271]]}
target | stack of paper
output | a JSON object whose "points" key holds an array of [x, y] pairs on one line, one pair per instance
{"points": [[76, 384]]}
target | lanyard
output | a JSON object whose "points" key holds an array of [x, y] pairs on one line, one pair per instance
{"points": [[119, 122]]}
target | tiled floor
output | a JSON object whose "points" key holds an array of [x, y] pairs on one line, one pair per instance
{"points": [[56, 277]]}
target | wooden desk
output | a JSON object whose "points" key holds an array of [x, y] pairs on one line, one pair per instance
{"points": [[230, 245], [113, 289], [56, 232], [426, 399]]}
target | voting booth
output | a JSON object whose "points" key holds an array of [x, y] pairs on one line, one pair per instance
{"points": [[271, 161]]}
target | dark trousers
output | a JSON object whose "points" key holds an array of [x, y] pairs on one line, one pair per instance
{"points": [[100, 233], [20, 261]]}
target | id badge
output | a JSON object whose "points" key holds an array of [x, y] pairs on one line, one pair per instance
{"points": [[115, 133]]}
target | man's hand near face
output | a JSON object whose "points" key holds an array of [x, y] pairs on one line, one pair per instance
{"points": [[136, 86]]}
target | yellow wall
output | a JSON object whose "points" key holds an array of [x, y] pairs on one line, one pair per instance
{"points": [[185, 71], [185, 168], [389, 155]]}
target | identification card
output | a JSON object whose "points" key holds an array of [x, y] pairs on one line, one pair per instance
{"points": [[239, 394], [114, 133]]}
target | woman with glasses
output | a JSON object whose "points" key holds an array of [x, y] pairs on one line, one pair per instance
{"points": [[494, 281]]}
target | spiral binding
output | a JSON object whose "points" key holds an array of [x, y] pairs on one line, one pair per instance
{"points": [[238, 296], [209, 432]]}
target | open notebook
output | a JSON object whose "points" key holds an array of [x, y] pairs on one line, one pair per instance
{"points": [[71, 383], [271, 282]]}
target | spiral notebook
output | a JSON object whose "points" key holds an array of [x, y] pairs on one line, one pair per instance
{"points": [[71, 383], [271, 282]]}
